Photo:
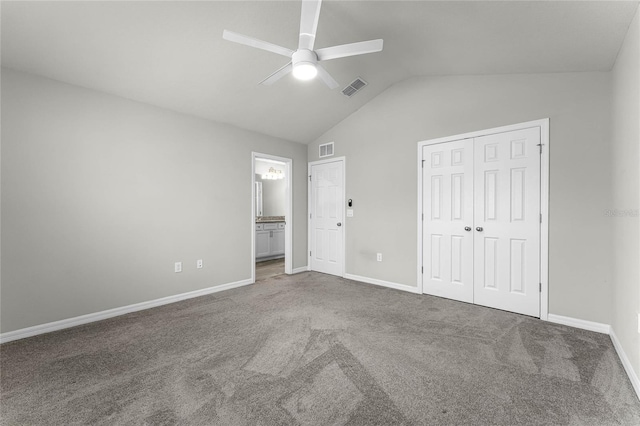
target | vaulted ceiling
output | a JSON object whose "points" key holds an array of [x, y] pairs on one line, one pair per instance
{"points": [[171, 54]]}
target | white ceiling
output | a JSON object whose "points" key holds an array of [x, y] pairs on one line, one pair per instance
{"points": [[171, 54]]}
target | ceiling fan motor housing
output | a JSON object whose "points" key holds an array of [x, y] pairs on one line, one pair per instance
{"points": [[304, 58]]}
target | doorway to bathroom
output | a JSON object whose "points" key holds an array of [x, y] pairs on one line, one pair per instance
{"points": [[271, 216]]}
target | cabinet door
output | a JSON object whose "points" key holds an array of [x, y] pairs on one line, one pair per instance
{"points": [[277, 242], [263, 243]]}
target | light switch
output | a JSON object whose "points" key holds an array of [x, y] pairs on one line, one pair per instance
{"points": [[349, 212]]}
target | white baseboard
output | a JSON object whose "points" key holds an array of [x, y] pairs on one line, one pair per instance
{"points": [[301, 269], [110, 313], [382, 283], [578, 323], [633, 376], [605, 329]]}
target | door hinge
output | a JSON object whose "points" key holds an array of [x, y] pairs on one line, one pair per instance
{"points": [[422, 216], [540, 145], [423, 164], [540, 287], [309, 215], [309, 254], [422, 269], [540, 217], [309, 178]]}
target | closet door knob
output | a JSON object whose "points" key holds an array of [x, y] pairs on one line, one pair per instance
{"points": [[467, 228], [479, 229]]}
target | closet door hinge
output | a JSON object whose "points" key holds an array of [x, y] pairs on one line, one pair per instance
{"points": [[540, 287], [540, 217], [422, 269], [423, 164], [309, 254], [309, 178], [540, 145]]}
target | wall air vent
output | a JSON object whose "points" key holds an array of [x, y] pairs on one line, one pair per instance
{"points": [[326, 149], [354, 87]]}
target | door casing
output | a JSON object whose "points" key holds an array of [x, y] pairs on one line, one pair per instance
{"points": [[543, 124], [288, 226]]}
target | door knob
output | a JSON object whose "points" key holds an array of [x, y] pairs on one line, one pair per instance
{"points": [[467, 228], [339, 223], [479, 229]]}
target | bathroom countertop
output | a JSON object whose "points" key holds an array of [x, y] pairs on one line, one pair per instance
{"points": [[269, 219]]}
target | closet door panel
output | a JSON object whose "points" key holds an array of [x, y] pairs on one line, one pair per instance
{"points": [[447, 182], [507, 221]]}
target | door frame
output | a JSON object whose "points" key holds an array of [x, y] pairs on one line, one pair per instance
{"points": [[343, 160], [288, 212], [543, 124]]}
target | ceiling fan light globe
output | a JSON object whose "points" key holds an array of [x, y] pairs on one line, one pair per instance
{"points": [[305, 71]]}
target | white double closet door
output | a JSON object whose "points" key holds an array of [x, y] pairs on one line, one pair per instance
{"points": [[481, 233]]}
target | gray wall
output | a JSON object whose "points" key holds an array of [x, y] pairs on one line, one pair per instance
{"points": [[101, 195], [380, 144], [274, 196], [626, 194]]}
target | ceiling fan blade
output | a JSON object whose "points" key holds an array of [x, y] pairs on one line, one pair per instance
{"points": [[352, 49], [277, 75], [326, 77], [309, 23], [254, 42]]}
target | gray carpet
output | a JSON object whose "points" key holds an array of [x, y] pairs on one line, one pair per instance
{"points": [[316, 349]]}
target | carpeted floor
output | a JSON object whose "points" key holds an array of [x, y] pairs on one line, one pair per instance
{"points": [[316, 349]]}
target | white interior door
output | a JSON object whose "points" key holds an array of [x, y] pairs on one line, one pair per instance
{"points": [[447, 238], [327, 211], [507, 221]]}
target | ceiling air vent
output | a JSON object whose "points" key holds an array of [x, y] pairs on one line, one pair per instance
{"points": [[354, 87], [326, 150]]}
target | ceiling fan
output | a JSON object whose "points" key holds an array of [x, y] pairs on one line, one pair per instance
{"points": [[304, 61]]}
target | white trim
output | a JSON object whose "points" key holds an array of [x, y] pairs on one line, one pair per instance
{"points": [[382, 283], [487, 132], [288, 213], [544, 226], [110, 313], [544, 199], [420, 221], [344, 219], [633, 377], [301, 269], [578, 323], [604, 329]]}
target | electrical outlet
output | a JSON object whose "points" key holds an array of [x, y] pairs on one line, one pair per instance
{"points": [[349, 212], [199, 264], [178, 267], [379, 257]]}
